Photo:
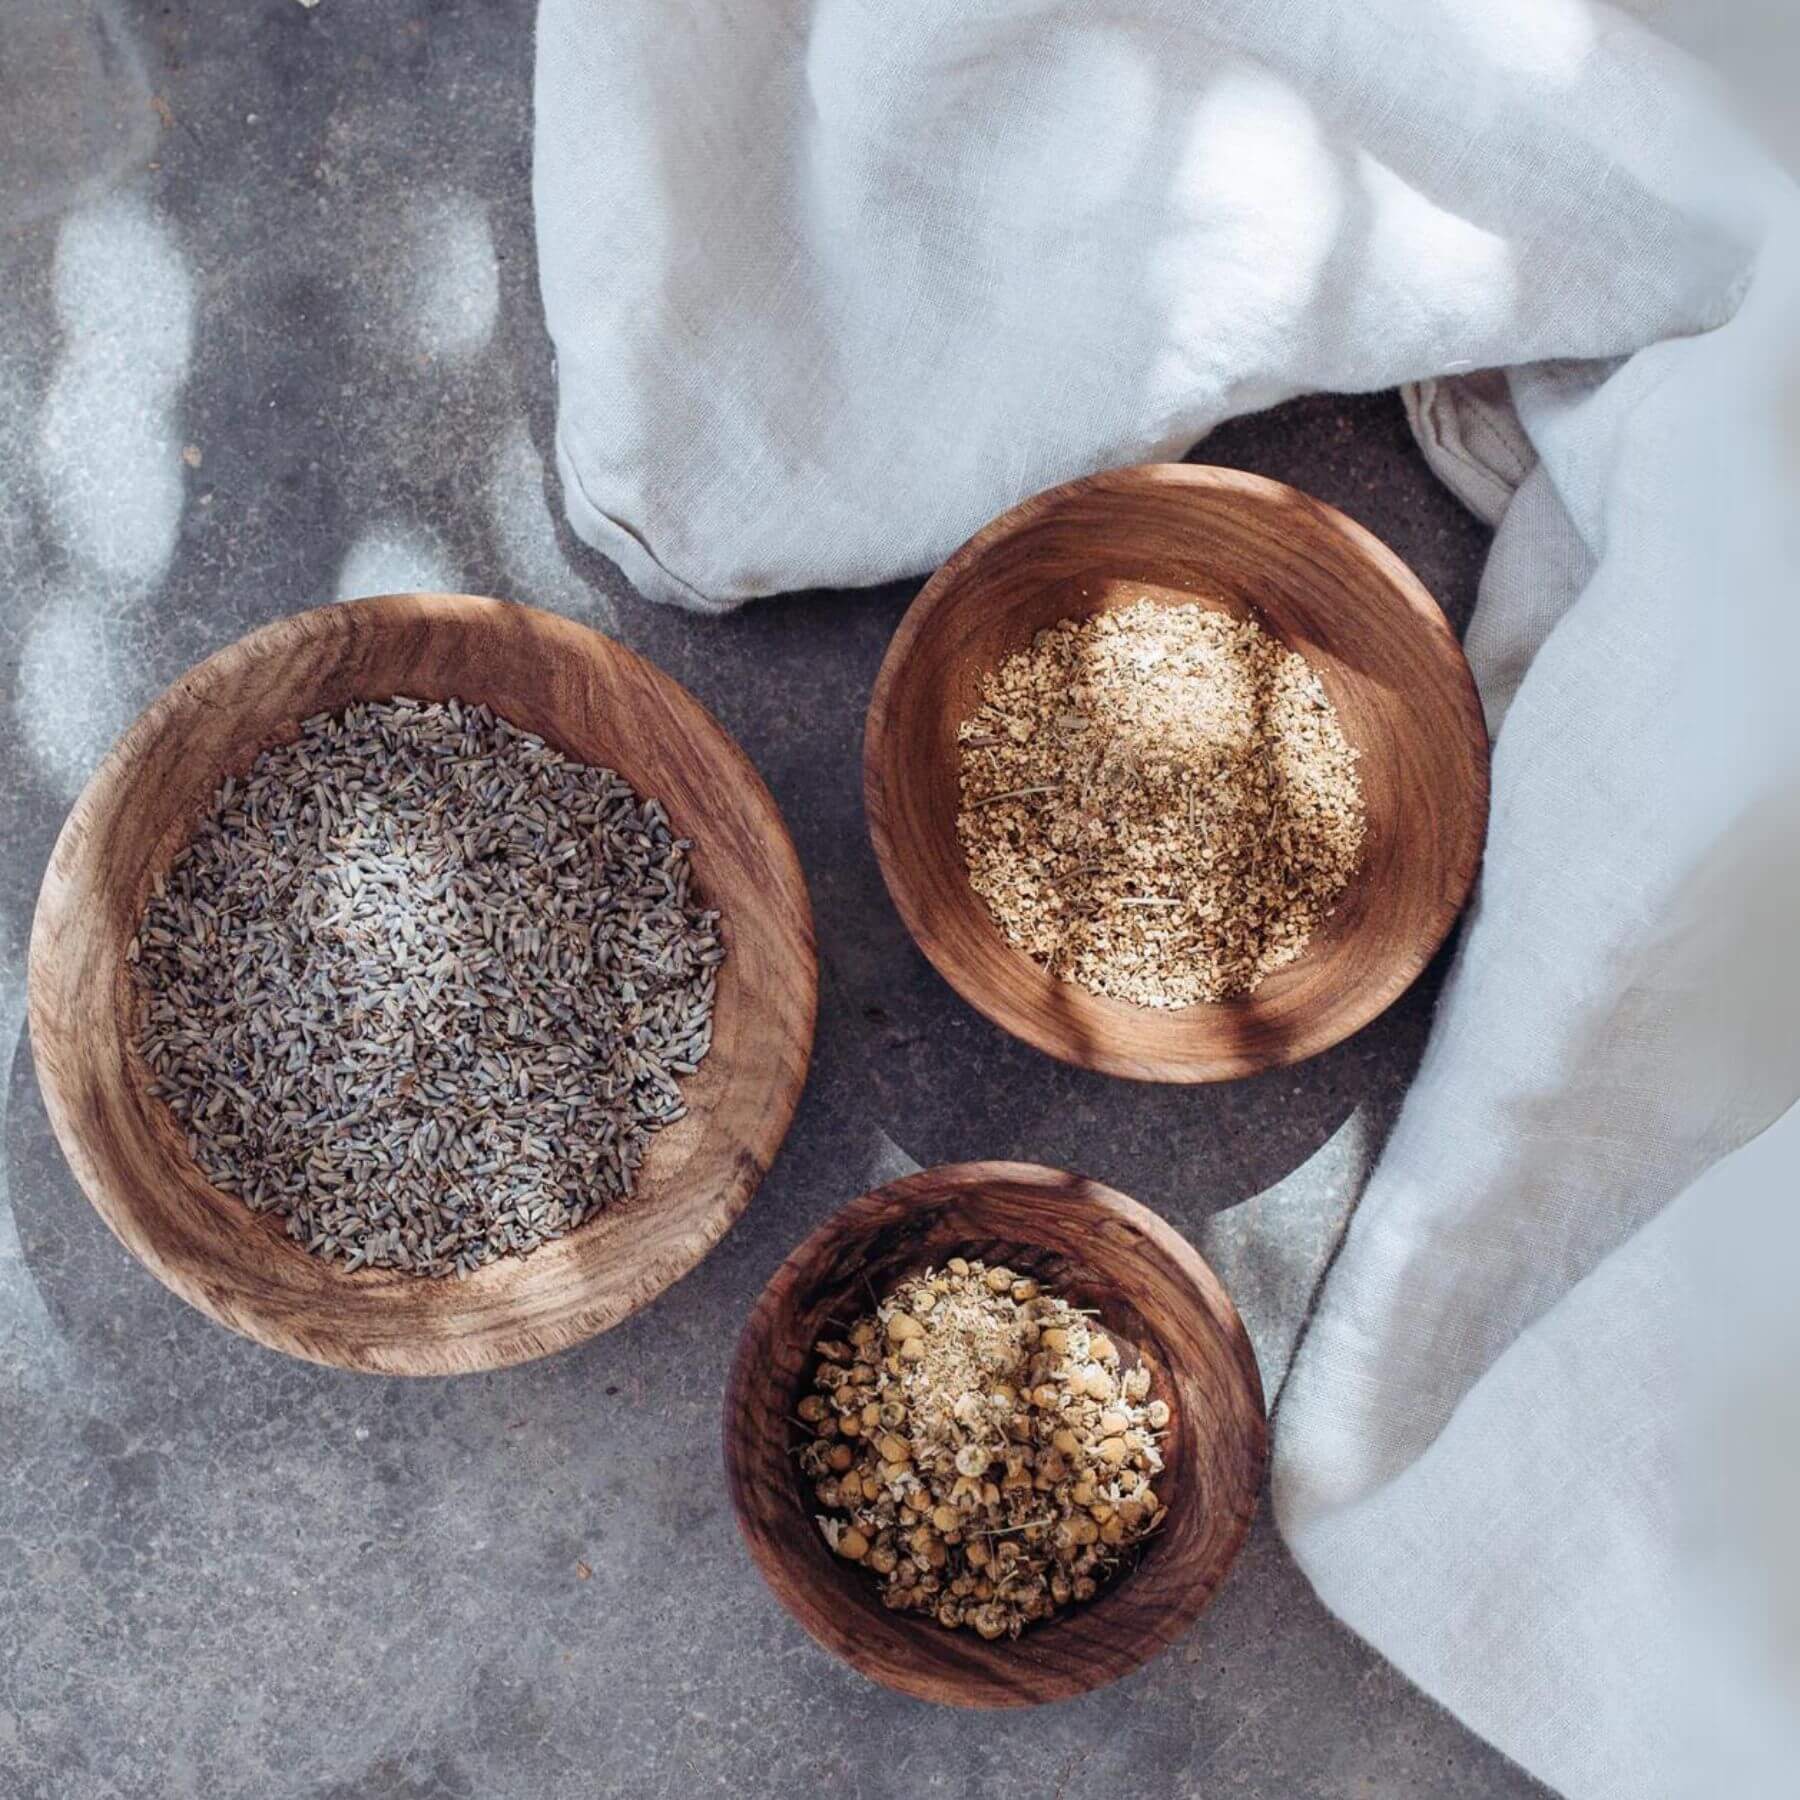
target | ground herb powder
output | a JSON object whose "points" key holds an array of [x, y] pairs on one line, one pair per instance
{"points": [[1158, 803]]}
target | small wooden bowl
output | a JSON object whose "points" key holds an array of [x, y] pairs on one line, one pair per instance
{"points": [[1158, 1301], [594, 700], [1178, 533]]}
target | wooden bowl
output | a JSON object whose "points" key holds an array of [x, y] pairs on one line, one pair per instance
{"points": [[594, 700], [1389, 662], [1157, 1299]]}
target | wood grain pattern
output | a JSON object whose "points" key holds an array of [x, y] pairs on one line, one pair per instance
{"points": [[1155, 1296], [592, 699], [1389, 662]]}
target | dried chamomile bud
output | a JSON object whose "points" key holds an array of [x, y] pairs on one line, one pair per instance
{"points": [[1096, 1383], [980, 1449]]}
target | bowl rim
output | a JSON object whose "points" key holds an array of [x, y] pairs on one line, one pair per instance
{"points": [[62, 1095], [1092, 1049], [748, 1368]]}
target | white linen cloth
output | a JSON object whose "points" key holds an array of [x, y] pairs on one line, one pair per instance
{"points": [[831, 284]]}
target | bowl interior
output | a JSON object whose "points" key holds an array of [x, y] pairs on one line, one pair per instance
{"points": [[1178, 533], [593, 700], [1155, 1296]]}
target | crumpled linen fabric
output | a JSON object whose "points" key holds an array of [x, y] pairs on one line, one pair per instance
{"points": [[830, 286]]}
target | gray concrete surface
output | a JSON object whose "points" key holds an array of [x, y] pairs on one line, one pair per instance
{"points": [[272, 337]]}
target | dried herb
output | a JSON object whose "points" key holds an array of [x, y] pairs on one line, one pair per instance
{"points": [[982, 1449], [1158, 803], [424, 987]]}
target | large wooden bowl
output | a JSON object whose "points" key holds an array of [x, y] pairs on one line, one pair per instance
{"points": [[1176, 533], [592, 699], [1156, 1298]]}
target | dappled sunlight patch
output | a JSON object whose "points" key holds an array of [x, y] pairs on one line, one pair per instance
{"points": [[392, 558], [1544, 40], [80, 685], [449, 279], [109, 450], [1256, 201], [1423, 263]]}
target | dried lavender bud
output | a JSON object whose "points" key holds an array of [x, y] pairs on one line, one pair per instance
{"points": [[424, 987]]}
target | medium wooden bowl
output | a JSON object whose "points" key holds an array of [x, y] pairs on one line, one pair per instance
{"points": [[594, 700], [1156, 1298], [1176, 533]]}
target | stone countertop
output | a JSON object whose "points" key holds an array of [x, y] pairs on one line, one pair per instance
{"points": [[273, 339]]}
